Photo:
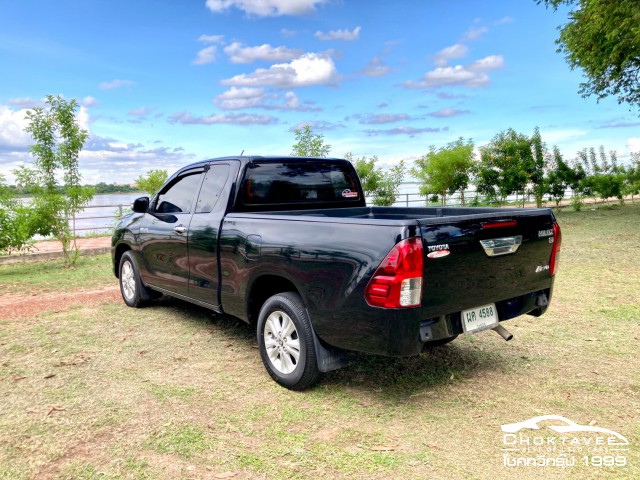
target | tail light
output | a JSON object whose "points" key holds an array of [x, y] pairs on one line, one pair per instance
{"points": [[555, 252], [397, 282]]}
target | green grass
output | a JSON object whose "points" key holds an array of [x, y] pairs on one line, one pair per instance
{"points": [[54, 276], [171, 391]]}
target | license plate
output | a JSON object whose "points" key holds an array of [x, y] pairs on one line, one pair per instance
{"points": [[480, 318]]}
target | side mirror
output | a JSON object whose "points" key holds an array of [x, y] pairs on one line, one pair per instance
{"points": [[141, 205]]}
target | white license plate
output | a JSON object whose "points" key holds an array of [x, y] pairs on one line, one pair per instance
{"points": [[480, 318]]}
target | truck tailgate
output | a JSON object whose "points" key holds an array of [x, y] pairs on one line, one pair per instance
{"points": [[461, 273]]}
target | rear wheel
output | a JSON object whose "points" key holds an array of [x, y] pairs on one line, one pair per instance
{"points": [[134, 293], [285, 339]]}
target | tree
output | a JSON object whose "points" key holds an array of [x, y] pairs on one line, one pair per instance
{"points": [[152, 181], [602, 177], [536, 175], [309, 144], [382, 186], [58, 141], [446, 170], [367, 171], [389, 186], [557, 178], [506, 165], [632, 180], [602, 38], [15, 226]]}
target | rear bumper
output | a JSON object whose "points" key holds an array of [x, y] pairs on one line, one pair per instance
{"points": [[404, 333], [450, 325]]}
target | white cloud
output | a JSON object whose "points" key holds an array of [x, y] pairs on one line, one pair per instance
{"points": [[266, 8], [380, 118], [292, 103], [215, 39], [410, 131], [504, 21], [83, 119], [317, 126], [441, 59], [474, 34], [310, 69], [286, 33], [12, 125], [138, 112], [27, 102], [376, 68], [239, 98], [346, 35], [633, 144], [492, 62], [238, 53], [117, 83], [472, 76], [448, 112], [248, 97], [227, 118], [553, 137], [205, 56], [88, 102]]}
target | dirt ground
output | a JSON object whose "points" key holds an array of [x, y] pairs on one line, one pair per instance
{"points": [[14, 305]]}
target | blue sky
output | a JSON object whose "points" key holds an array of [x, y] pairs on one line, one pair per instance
{"points": [[166, 83]]}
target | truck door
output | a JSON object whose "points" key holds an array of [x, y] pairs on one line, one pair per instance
{"points": [[203, 231], [164, 234]]}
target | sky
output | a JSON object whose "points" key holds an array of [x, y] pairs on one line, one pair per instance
{"points": [[163, 83]]}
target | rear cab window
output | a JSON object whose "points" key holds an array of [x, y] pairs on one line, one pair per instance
{"points": [[297, 184]]}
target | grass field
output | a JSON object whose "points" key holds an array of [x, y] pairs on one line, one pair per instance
{"points": [[98, 390]]}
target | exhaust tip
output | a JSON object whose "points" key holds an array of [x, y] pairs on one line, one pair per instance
{"points": [[503, 332]]}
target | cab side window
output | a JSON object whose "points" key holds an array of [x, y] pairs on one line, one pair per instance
{"points": [[178, 198], [214, 181]]}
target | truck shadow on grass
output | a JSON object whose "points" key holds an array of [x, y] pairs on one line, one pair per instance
{"points": [[387, 378]]}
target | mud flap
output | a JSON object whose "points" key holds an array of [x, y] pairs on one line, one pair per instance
{"points": [[329, 358]]}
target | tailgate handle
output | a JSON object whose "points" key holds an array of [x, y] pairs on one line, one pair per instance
{"points": [[501, 246]]}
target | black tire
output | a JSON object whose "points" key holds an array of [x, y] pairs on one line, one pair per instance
{"points": [[285, 339], [133, 291]]}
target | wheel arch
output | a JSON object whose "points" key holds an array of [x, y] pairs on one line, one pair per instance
{"points": [[117, 255], [264, 287]]}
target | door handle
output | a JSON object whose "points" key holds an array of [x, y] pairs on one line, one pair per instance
{"points": [[501, 246], [180, 229]]}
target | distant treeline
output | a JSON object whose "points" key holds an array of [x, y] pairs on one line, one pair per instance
{"points": [[98, 189]]}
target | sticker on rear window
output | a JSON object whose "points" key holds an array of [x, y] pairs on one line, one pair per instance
{"points": [[349, 194]]}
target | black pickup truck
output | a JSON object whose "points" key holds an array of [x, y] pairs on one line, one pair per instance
{"points": [[288, 245]]}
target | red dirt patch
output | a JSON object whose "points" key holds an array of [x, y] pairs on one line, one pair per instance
{"points": [[14, 305]]}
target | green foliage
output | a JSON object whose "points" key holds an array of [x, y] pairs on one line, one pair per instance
{"points": [[152, 181], [368, 172], [309, 144], [58, 141], [382, 186], [577, 201], [560, 176], [102, 188], [389, 186], [446, 170], [15, 224], [600, 176], [539, 187], [507, 165], [602, 38], [632, 179]]}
